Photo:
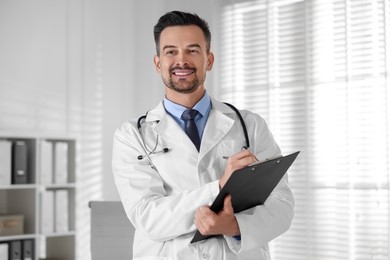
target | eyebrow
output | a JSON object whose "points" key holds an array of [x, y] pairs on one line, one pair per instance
{"points": [[169, 46], [194, 45], [188, 46]]}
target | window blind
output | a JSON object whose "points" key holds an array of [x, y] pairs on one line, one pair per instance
{"points": [[317, 71]]}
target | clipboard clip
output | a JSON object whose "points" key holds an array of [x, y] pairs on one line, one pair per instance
{"points": [[267, 159]]}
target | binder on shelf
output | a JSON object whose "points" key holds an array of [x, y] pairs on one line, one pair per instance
{"points": [[47, 211], [251, 186], [19, 162], [28, 249], [46, 162], [61, 162], [61, 213], [5, 162], [15, 250], [35, 220], [4, 250]]}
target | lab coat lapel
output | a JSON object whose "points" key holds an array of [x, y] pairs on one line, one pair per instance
{"points": [[169, 130], [218, 125]]}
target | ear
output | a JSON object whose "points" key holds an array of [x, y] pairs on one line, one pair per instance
{"points": [[157, 63], [210, 61]]}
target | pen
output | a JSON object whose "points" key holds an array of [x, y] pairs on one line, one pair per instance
{"points": [[242, 148], [256, 160]]}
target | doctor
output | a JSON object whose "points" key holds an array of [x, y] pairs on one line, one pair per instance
{"points": [[166, 181]]}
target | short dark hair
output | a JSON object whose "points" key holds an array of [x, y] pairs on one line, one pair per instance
{"points": [[176, 18]]}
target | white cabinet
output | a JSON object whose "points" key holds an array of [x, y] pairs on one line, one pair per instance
{"points": [[46, 198]]}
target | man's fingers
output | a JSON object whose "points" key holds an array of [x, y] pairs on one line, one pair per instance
{"points": [[235, 162], [204, 212], [227, 202], [227, 205], [240, 155], [242, 159], [205, 219], [223, 222]]}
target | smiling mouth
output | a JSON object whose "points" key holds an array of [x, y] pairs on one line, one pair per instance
{"points": [[179, 72]]}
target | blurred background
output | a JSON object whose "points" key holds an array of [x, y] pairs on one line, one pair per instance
{"points": [[316, 70]]}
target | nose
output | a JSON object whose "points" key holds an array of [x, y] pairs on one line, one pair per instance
{"points": [[181, 59]]}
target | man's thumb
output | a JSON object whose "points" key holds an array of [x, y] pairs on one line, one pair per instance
{"points": [[227, 203]]}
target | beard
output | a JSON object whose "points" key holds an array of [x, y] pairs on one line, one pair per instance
{"points": [[183, 86]]}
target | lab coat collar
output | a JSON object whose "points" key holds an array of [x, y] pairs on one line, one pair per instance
{"points": [[156, 114], [218, 125], [168, 129]]}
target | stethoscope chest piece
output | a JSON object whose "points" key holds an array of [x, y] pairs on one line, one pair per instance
{"points": [[150, 146]]}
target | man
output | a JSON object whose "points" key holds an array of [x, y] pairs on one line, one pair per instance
{"points": [[168, 170]]}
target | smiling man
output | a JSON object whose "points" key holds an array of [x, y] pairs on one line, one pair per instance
{"points": [[170, 164]]}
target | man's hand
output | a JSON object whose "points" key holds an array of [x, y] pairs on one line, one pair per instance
{"points": [[222, 223], [235, 162]]}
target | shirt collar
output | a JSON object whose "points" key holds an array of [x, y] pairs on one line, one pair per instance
{"points": [[177, 110]]}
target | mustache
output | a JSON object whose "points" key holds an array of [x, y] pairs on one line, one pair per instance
{"points": [[182, 68]]}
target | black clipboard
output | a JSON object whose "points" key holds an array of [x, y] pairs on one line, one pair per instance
{"points": [[251, 186]]}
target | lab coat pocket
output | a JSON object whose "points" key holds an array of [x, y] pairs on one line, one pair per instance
{"points": [[229, 147]]}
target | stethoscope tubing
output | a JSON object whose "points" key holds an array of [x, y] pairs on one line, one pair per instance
{"points": [[242, 123], [164, 150]]}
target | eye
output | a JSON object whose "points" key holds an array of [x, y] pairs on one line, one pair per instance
{"points": [[170, 52]]}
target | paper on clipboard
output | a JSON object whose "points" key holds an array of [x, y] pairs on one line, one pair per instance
{"points": [[251, 186]]}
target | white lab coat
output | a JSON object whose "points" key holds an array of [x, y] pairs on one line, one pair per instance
{"points": [[161, 200]]}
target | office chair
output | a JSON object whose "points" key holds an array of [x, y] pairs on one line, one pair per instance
{"points": [[112, 234]]}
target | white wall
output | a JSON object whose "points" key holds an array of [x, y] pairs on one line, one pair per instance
{"points": [[80, 68]]}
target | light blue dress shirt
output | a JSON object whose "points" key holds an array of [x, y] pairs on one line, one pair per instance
{"points": [[203, 107]]}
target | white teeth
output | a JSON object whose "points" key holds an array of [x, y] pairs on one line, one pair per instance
{"points": [[183, 72]]}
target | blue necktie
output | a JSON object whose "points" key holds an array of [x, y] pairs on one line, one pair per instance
{"points": [[190, 127]]}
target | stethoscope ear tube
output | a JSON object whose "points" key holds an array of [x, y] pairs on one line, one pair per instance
{"points": [[139, 121], [242, 123]]}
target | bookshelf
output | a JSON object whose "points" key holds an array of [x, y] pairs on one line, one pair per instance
{"points": [[46, 198]]}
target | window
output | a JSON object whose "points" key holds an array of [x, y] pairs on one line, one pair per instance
{"points": [[317, 71]]}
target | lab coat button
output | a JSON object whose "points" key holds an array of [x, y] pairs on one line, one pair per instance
{"points": [[206, 256]]}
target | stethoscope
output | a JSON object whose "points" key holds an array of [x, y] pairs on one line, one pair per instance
{"points": [[148, 151]]}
